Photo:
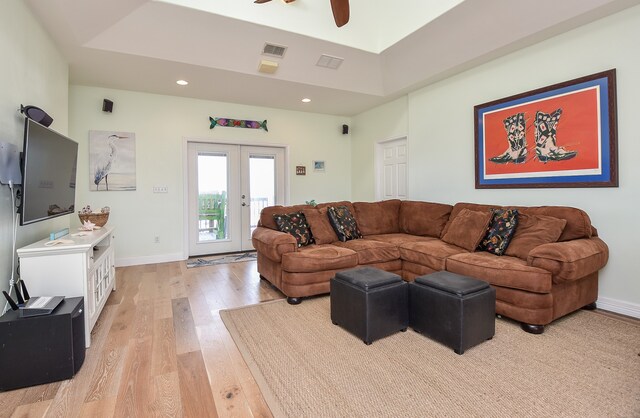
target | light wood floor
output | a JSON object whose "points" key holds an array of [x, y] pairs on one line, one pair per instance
{"points": [[160, 349]]}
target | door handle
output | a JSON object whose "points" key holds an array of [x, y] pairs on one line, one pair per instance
{"points": [[244, 204]]}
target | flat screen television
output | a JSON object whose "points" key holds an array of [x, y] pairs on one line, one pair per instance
{"points": [[49, 161]]}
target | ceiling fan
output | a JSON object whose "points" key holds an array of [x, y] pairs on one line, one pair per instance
{"points": [[340, 10]]}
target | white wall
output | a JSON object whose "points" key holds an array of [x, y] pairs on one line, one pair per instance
{"points": [[32, 72], [441, 137], [161, 123]]}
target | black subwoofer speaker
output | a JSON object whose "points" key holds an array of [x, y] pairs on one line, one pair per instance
{"points": [[42, 349]]}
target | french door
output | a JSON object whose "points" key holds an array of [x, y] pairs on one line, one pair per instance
{"points": [[228, 187]]}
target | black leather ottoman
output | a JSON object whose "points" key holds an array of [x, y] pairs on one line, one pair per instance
{"points": [[456, 310], [370, 303]]}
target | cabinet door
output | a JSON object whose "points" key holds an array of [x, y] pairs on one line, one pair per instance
{"points": [[100, 283], [90, 300]]}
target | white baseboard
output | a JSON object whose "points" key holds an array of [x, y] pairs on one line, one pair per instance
{"points": [[619, 306], [152, 259]]}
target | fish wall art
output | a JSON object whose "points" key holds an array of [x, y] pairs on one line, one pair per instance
{"points": [[237, 123]]}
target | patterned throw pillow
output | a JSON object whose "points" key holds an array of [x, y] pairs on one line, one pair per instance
{"points": [[343, 223], [500, 231], [295, 224]]}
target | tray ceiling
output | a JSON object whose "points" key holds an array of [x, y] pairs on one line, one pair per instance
{"points": [[146, 45]]}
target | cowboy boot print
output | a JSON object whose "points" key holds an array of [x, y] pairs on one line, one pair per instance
{"points": [[515, 126], [545, 134]]}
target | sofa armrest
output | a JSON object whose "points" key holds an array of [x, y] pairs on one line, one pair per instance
{"points": [[273, 243], [570, 260]]}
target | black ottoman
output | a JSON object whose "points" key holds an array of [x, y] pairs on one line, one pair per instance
{"points": [[456, 310], [370, 303]]}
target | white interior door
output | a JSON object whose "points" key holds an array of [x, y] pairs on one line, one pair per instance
{"points": [[228, 186], [392, 169]]}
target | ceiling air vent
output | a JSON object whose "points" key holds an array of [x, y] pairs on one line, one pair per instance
{"points": [[328, 61], [274, 50]]}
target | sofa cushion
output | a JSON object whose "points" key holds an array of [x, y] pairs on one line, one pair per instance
{"points": [[534, 230], [266, 215], [503, 271], [371, 251], [296, 225], [432, 253], [343, 222], [321, 228], [501, 230], [423, 218], [377, 217], [468, 228], [319, 258], [399, 238]]}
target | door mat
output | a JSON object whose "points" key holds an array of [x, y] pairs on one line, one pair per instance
{"points": [[222, 259]]}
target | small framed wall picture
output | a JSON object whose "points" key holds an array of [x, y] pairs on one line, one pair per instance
{"points": [[301, 170], [318, 166]]}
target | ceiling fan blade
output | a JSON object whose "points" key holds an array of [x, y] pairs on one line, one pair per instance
{"points": [[340, 11], [262, 1]]}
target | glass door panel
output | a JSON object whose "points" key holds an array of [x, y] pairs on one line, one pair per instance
{"points": [[262, 185], [263, 170], [212, 196], [214, 220]]}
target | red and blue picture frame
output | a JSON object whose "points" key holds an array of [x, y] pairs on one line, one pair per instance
{"points": [[563, 135]]}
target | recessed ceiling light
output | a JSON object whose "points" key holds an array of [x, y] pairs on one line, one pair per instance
{"points": [[182, 82], [306, 100]]}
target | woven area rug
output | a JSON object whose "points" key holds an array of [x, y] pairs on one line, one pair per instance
{"points": [[584, 365], [221, 259]]}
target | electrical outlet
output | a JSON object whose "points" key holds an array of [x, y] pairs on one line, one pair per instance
{"points": [[156, 240], [160, 189]]}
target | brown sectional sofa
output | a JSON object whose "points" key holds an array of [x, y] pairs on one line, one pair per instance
{"points": [[404, 237]]}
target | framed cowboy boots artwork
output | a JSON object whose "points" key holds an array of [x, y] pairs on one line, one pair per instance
{"points": [[564, 135]]}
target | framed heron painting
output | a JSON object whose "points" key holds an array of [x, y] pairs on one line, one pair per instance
{"points": [[112, 161], [564, 135]]}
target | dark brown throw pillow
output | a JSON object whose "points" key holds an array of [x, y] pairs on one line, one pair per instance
{"points": [[534, 230], [501, 230], [295, 224], [343, 223], [468, 228], [321, 228]]}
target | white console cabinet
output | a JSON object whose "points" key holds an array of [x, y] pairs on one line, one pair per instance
{"points": [[85, 267]]}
